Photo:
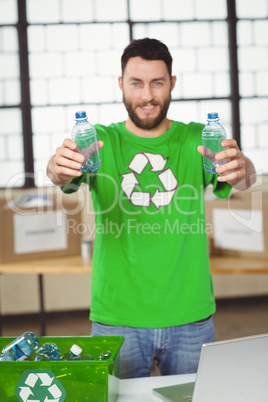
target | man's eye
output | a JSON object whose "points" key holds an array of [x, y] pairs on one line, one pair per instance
{"points": [[158, 83], [135, 84]]}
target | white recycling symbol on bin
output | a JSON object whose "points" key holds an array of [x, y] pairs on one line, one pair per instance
{"points": [[166, 177], [39, 386]]}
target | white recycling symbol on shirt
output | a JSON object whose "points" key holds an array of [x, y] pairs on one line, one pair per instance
{"points": [[166, 177]]}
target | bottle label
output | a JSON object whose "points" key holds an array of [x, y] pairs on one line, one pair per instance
{"points": [[19, 348]]}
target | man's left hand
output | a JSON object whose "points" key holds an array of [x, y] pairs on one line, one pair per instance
{"points": [[239, 170]]}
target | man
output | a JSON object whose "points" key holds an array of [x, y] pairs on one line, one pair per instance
{"points": [[150, 278]]}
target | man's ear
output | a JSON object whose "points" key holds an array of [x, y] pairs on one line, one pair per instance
{"points": [[173, 81], [120, 83]]}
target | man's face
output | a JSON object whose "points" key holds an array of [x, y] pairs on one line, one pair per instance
{"points": [[146, 86]]}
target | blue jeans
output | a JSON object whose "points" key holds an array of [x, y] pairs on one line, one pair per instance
{"points": [[175, 349]]}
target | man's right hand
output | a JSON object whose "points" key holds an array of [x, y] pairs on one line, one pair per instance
{"points": [[66, 163]]}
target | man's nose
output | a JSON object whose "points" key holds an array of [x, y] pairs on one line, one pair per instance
{"points": [[147, 93]]}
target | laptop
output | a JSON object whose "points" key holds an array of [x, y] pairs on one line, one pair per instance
{"points": [[234, 370]]}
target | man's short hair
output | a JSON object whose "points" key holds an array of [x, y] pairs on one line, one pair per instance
{"points": [[147, 49]]}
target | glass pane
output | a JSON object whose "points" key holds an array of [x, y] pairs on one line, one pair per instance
{"points": [[108, 63], [77, 10], [209, 9], [120, 36], [42, 148], [211, 59], [9, 39], [14, 147], [253, 130], [249, 137], [36, 38], [262, 83], [8, 12], [247, 84], [263, 137], [45, 65], [9, 66], [98, 89], [95, 36], [252, 58], [40, 11], [253, 110], [1, 93], [244, 33], [63, 91], [197, 85], [221, 84], [2, 148], [261, 32], [12, 174], [219, 34], [10, 121], [251, 9], [253, 80], [184, 60], [178, 10], [195, 34], [43, 117], [80, 64], [148, 10], [11, 156], [11, 92], [62, 37], [39, 92], [166, 32], [107, 10]]}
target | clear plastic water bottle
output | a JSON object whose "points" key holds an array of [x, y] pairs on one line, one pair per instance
{"points": [[74, 352], [212, 136], [22, 347], [85, 136], [105, 355], [48, 351], [6, 357], [84, 357]]}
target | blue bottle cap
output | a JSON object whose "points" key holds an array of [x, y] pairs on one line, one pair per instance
{"points": [[213, 115], [81, 114]]}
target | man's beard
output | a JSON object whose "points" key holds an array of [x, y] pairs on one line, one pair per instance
{"points": [[147, 123]]}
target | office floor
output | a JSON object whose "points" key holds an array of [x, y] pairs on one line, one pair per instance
{"points": [[234, 318]]}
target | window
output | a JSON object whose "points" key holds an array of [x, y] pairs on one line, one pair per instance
{"points": [[11, 137], [58, 56], [252, 33]]}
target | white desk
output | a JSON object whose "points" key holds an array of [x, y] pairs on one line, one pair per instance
{"points": [[140, 389]]}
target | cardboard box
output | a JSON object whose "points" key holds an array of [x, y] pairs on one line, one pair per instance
{"points": [[238, 226], [34, 230]]}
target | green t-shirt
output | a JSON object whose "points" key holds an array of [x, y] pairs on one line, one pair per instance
{"points": [[150, 264]]}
